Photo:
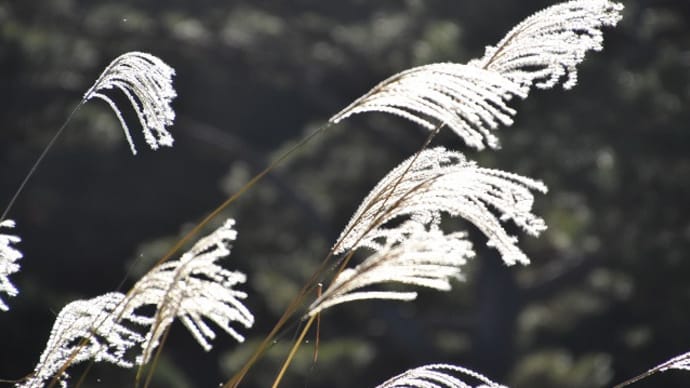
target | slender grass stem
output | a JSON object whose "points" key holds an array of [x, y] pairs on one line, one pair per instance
{"points": [[293, 351], [292, 307], [154, 363], [40, 159], [287, 314], [637, 378], [240, 192], [197, 228]]}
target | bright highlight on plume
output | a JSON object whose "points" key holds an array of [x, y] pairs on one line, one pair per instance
{"points": [[472, 99], [8, 262], [120, 329], [146, 81]]}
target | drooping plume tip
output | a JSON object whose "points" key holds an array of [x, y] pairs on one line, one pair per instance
{"points": [[146, 81]]}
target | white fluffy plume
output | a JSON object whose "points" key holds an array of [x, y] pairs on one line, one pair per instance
{"points": [[8, 261], [549, 45], [439, 376], [469, 100], [400, 221], [436, 182], [122, 330], [85, 330], [681, 362], [472, 99], [425, 258], [146, 81], [193, 288]]}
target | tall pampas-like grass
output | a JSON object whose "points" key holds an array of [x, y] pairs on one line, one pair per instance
{"points": [[472, 100], [91, 329], [400, 221], [115, 327], [146, 81], [399, 228]]}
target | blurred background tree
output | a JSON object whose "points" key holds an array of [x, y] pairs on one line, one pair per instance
{"points": [[606, 296]]}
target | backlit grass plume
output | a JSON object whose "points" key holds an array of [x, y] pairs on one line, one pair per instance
{"points": [[121, 329], [469, 100], [439, 376], [146, 81], [472, 99], [8, 262], [436, 182], [400, 221], [402, 229], [192, 289], [547, 47], [424, 258], [85, 330], [681, 362]]}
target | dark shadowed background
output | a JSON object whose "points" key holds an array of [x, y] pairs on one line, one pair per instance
{"points": [[606, 297]]}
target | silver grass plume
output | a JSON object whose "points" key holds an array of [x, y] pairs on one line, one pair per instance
{"points": [[469, 100], [472, 99], [8, 262], [439, 376], [192, 288], [146, 81], [85, 330], [549, 45], [116, 328], [436, 182], [681, 362], [425, 258]]}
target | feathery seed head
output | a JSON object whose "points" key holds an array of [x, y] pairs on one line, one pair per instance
{"points": [[436, 182], [472, 99], [8, 261], [146, 81], [439, 376]]}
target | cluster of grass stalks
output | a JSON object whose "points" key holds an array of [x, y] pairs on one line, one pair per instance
{"points": [[397, 236]]}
